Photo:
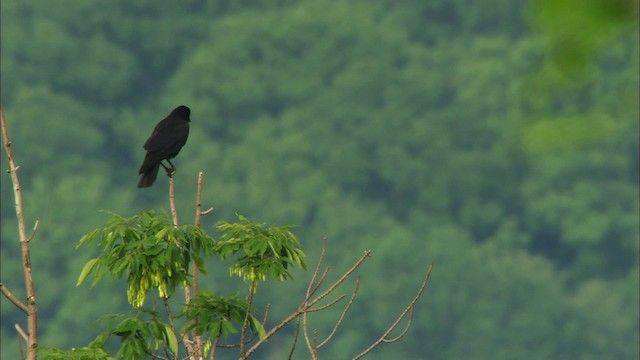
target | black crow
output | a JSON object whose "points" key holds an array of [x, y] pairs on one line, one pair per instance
{"points": [[168, 137]]}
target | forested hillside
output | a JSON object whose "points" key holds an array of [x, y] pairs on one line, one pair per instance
{"points": [[498, 139]]}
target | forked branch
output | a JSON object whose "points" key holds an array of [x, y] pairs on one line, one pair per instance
{"points": [[309, 302], [408, 309]]}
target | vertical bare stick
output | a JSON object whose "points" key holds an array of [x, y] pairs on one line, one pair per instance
{"points": [[187, 290], [196, 336], [24, 246], [197, 223], [172, 202]]}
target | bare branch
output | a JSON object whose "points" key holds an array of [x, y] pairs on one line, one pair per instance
{"points": [[21, 332], [21, 336], [231, 346], [33, 232], [367, 254], [406, 328], [409, 308], [295, 338], [305, 333], [197, 337], [214, 346], [169, 314], [172, 201], [206, 212], [252, 290], [344, 313], [274, 330], [32, 315], [314, 354], [199, 199], [9, 295], [306, 305], [312, 348], [159, 357], [266, 313], [315, 273], [319, 283], [188, 343], [323, 307]]}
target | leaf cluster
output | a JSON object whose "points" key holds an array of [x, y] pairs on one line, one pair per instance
{"points": [[140, 337], [85, 353], [141, 334], [213, 316], [257, 251], [149, 251]]}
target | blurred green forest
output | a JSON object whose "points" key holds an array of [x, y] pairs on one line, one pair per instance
{"points": [[496, 138]]}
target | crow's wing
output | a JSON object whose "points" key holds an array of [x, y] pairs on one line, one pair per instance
{"points": [[168, 137]]}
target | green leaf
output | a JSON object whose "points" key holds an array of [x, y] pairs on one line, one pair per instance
{"points": [[227, 328], [258, 326], [86, 270], [171, 339]]}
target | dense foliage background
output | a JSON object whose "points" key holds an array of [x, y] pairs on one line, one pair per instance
{"points": [[496, 138]]}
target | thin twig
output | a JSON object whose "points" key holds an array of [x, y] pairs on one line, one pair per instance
{"points": [[314, 355], [233, 346], [344, 313], [305, 332], [184, 339], [9, 295], [20, 331], [274, 330], [266, 313], [409, 308], [306, 305], [159, 357], [315, 273], [169, 314], [319, 283], [33, 232], [295, 338], [32, 316], [313, 349], [367, 254], [21, 336], [214, 346], [406, 328], [311, 289], [323, 307], [252, 290]]}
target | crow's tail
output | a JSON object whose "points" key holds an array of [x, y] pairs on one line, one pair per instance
{"points": [[149, 176]]}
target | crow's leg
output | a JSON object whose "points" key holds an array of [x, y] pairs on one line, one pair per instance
{"points": [[170, 171], [173, 168]]}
